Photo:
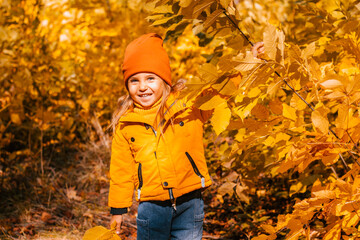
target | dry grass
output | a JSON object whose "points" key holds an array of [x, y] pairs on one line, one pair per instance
{"points": [[66, 201]]}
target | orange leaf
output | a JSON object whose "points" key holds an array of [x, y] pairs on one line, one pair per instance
{"points": [[260, 112], [236, 79], [330, 159]]}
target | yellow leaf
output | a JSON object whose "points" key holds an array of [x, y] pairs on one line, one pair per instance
{"points": [[268, 228], [100, 233], [295, 226], [346, 208], [163, 8], [309, 50], [356, 183], [236, 42], [282, 151], [221, 118], [254, 92], [162, 21], [15, 118], [212, 18], [199, 8], [247, 63], [324, 194], [304, 204], [208, 72], [289, 112], [281, 136], [244, 112], [297, 103], [85, 103], [270, 41], [350, 220], [185, 3], [269, 141], [265, 237], [273, 87], [320, 122], [225, 3], [334, 233], [317, 186], [334, 95], [209, 102], [331, 83], [295, 52], [297, 188], [240, 135]]}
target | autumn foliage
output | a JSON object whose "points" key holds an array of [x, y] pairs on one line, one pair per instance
{"points": [[282, 144]]}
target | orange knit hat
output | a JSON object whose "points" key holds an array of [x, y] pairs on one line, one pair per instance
{"points": [[146, 54]]}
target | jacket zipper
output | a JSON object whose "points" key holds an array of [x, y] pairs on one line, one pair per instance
{"points": [[152, 128], [196, 170], [171, 195], [172, 199], [140, 181]]}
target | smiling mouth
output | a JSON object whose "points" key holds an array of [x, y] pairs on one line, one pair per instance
{"points": [[145, 95]]}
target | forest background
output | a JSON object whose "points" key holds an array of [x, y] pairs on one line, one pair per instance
{"points": [[282, 145]]}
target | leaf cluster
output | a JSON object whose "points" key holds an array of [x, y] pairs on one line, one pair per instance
{"points": [[291, 114]]}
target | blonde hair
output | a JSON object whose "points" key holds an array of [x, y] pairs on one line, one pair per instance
{"points": [[125, 103]]}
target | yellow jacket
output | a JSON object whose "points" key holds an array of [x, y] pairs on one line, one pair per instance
{"points": [[152, 163]]}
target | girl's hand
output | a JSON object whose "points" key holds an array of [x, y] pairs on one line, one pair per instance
{"points": [[118, 220], [258, 49]]}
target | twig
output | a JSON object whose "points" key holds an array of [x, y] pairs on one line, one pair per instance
{"points": [[103, 137], [343, 161], [333, 169], [237, 27]]}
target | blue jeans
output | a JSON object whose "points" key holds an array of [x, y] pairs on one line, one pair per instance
{"points": [[157, 221]]}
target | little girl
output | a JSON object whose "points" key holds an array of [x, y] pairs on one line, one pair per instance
{"points": [[157, 149]]}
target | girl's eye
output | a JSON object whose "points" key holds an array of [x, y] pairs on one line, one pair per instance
{"points": [[133, 80], [151, 78]]}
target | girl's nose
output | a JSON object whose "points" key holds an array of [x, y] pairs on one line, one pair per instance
{"points": [[143, 86]]}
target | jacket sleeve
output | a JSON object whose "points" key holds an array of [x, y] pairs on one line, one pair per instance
{"points": [[122, 169]]}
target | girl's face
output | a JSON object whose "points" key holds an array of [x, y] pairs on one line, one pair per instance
{"points": [[145, 88]]}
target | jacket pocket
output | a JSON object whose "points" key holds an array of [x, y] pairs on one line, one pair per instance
{"points": [[196, 170], [140, 181]]}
